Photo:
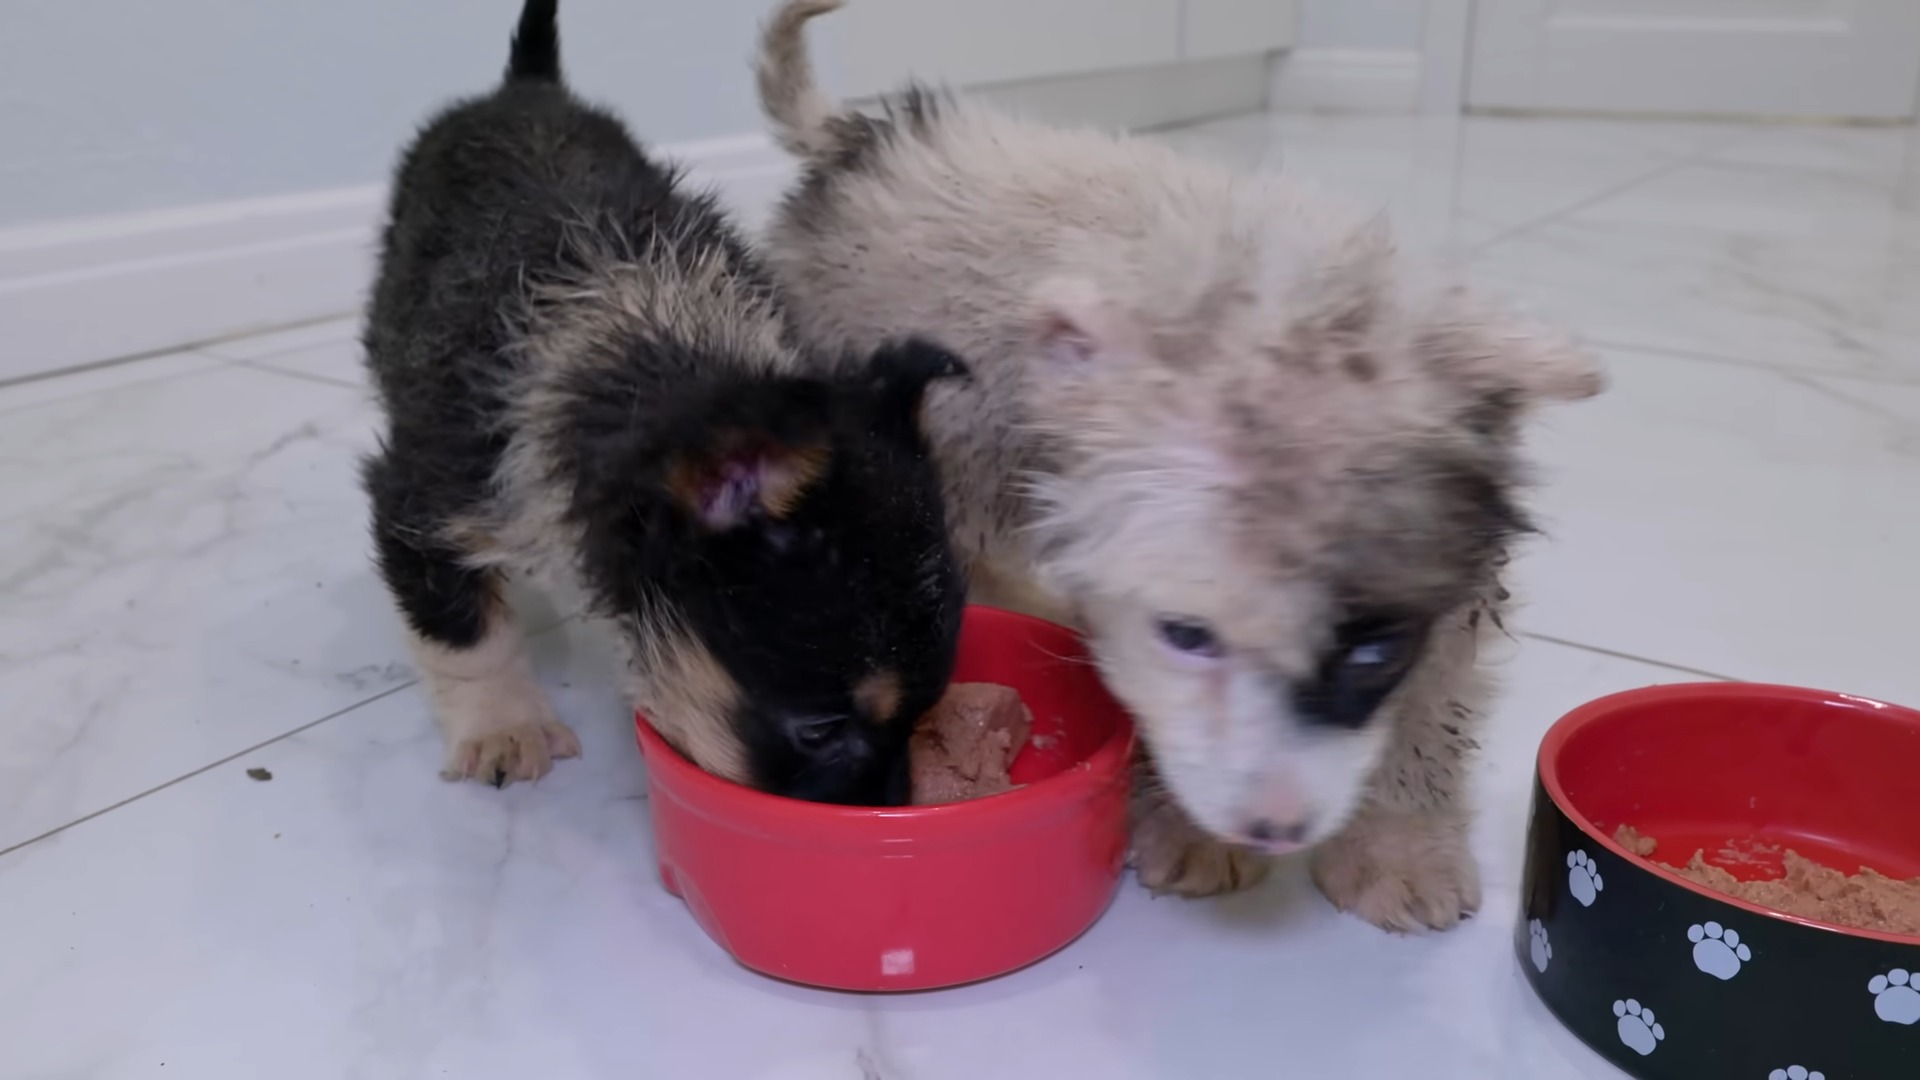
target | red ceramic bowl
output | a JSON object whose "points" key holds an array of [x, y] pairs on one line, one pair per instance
{"points": [[913, 898], [1673, 981]]}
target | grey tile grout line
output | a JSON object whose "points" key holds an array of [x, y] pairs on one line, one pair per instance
{"points": [[210, 766], [305, 376], [392, 690], [1618, 655], [1682, 162], [1587, 203], [213, 364], [230, 758], [350, 337], [1772, 367], [198, 347], [1837, 394]]}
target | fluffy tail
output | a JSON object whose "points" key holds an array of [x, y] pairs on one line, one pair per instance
{"points": [[790, 97], [536, 43]]}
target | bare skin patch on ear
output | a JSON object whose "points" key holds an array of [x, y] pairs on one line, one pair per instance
{"points": [[723, 489], [785, 477], [1075, 322], [878, 695]]}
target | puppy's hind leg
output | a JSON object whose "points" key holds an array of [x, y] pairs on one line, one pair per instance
{"points": [[497, 723]]}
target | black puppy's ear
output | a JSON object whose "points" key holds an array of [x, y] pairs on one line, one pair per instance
{"points": [[743, 475], [901, 373], [749, 450], [723, 454]]}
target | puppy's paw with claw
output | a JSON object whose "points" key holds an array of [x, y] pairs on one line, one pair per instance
{"points": [[1172, 855], [516, 751], [1401, 873]]}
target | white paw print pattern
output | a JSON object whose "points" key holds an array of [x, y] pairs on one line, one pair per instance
{"points": [[1542, 948], [1718, 951], [1895, 997], [1637, 1027], [1796, 1072], [1583, 878]]}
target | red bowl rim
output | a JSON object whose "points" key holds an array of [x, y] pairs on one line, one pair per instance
{"points": [[1600, 709], [1062, 791]]}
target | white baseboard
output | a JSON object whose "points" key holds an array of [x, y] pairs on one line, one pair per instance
{"points": [[1347, 81], [80, 293], [1137, 98]]}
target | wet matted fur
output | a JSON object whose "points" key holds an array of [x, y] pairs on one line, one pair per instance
{"points": [[1222, 425], [587, 377]]}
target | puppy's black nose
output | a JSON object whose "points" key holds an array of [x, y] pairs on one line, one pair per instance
{"points": [[1268, 831]]}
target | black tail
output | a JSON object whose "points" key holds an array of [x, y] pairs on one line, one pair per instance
{"points": [[536, 43]]}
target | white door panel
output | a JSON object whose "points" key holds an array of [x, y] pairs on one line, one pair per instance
{"points": [[973, 42], [1212, 29], [1819, 58]]}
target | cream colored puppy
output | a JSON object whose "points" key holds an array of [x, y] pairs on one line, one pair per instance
{"points": [[1216, 423]]}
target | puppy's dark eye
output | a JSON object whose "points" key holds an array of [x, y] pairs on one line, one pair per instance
{"points": [[814, 733], [1369, 658], [786, 540], [1187, 635], [1379, 654]]}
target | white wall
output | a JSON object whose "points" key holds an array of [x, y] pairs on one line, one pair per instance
{"points": [[209, 167], [1361, 24], [109, 106]]}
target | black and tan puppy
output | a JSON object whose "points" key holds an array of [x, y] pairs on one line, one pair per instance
{"points": [[586, 377]]}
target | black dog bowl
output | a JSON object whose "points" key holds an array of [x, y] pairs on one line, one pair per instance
{"points": [[1673, 981]]}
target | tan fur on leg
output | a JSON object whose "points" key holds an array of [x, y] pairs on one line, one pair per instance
{"points": [[1402, 862], [1401, 871], [497, 722]]}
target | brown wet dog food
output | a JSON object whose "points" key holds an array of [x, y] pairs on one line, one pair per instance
{"points": [[1867, 900], [963, 747]]}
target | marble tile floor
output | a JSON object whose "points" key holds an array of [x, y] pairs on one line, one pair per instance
{"points": [[185, 594]]}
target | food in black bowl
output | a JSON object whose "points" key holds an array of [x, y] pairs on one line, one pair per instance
{"points": [[1661, 816]]}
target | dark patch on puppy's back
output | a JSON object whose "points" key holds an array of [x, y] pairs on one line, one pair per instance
{"points": [[913, 111], [863, 142], [1493, 414]]}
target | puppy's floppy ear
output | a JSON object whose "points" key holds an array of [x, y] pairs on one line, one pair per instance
{"points": [[724, 454], [740, 475], [1076, 324], [1491, 352], [900, 375]]}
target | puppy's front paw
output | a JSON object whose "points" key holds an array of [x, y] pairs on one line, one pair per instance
{"points": [[1400, 872], [504, 752], [1173, 855]]}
